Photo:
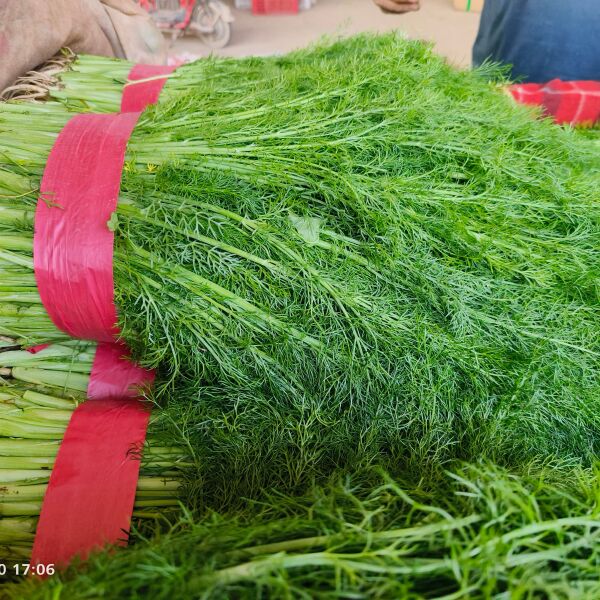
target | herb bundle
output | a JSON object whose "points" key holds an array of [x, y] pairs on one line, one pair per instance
{"points": [[38, 393], [382, 263], [477, 532]]}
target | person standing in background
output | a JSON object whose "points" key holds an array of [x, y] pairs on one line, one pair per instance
{"points": [[541, 39]]}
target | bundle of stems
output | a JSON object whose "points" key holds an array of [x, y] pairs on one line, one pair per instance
{"points": [[96, 83], [482, 532], [38, 394], [382, 263]]}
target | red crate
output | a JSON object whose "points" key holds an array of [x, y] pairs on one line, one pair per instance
{"points": [[270, 7]]}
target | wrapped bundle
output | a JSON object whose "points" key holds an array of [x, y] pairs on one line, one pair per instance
{"points": [[38, 394], [354, 255]]}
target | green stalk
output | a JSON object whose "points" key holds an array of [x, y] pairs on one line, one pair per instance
{"points": [[74, 381]]}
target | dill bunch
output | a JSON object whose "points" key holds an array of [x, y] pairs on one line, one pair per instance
{"points": [[383, 263], [476, 532], [95, 83]]}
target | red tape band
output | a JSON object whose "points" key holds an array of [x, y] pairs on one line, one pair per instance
{"points": [[73, 245], [91, 491], [572, 102], [36, 349], [143, 87], [115, 376], [90, 496]]}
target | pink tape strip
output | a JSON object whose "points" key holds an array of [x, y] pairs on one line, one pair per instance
{"points": [[115, 376], [73, 245], [152, 78], [91, 492], [36, 349], [92, 487]]}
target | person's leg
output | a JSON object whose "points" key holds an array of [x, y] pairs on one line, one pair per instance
{"points": [[541, 39]]}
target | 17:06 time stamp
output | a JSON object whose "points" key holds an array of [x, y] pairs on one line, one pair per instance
{"points": [[24, 569]]}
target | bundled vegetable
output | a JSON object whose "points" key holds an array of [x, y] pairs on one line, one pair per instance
{"points": [[96, 83], [382, 263], [480, 533], [38, 393]]}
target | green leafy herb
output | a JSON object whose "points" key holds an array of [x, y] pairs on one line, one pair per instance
{"points": [[445, 308]]}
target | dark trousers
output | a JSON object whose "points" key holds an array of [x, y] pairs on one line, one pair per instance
{"points": [[541, 39]]}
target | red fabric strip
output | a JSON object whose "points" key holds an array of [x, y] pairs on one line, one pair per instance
{"points": [[115, 376], [90, 497], [91, 492], [36, 349], [150, 81], [73, 245], [568, 102]]}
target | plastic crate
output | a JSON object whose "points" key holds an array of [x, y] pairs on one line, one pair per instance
{"points": [[270, 7], [247, 4]]}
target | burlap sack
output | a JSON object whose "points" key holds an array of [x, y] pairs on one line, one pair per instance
{"points": [[32, 31]]}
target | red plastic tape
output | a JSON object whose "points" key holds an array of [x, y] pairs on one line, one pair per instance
{"points": [[574, 102], [90, 497], [73, 245], [143, 87], [36, 349], [568, 102], [91, 492], [115, 376]]}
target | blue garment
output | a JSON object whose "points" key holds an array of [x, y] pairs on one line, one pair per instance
{"points": [[541, 39]]}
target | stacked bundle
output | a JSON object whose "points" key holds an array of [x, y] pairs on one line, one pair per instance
{"points": [[37, 397], [350, 256]]}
